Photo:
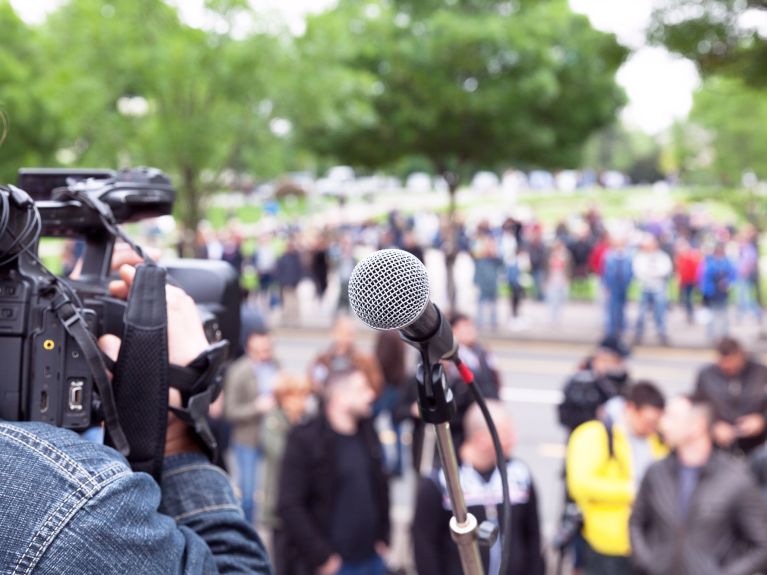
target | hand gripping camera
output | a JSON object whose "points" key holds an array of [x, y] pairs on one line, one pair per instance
{"points": [[52, 368]]}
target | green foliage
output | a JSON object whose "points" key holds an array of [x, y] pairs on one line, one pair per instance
{"points": [[29, 132], [465, 84], [736, 117], [712, 34]]}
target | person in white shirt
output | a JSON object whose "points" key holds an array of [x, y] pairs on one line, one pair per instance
{"points": [[652, 267]]}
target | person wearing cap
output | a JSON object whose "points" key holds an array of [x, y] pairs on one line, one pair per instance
{"points": [[602, 376]]}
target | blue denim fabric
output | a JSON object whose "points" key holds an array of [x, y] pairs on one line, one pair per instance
{"points": [[248, 464], [655, 301], [72, 506], [373, 566]]}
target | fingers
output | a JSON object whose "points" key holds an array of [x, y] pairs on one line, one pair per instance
{"points": [[123, 255], [110, 345], [120, 288]]}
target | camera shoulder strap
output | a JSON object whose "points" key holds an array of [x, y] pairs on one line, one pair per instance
{"points": [[141, 371]]}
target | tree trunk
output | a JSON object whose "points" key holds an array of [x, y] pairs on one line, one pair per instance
{"points": [[451, 244], [190, 199]]}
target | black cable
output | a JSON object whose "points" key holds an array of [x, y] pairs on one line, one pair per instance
{"points": [[502, 469]]}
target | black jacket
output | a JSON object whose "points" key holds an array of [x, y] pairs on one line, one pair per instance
{"points": [[307, 491], [733, 397], [725, 532], [435, 552]]}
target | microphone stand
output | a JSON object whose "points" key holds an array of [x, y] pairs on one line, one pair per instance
{"points": [[437, 406]]}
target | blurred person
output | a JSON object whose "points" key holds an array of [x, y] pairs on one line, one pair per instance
{"points": [[605, 464], [231, 247], [717, 275], [390, 354], [745, 285], [736, 388], [687, 262], [557, 279], [487, 267], [478, 358], [288, 273], [333, 500], [580, 252], [265, 262], [435, 552], [510, 254], [344, 268], [486, 375], [318, 267], [291, 394], [698, 511], [539, 260], [602, 376], [616, 280], [598, 253], [410, 245], [200, 246], [652, 267], [248, 397], [344, 355]]}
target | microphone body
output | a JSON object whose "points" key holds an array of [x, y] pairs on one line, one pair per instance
{"points": [[389, 289]]}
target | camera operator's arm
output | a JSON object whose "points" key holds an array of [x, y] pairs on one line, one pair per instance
{"points": [[210, 533]]}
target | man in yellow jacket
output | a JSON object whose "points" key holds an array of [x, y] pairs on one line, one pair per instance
{"points": [[606, 460]]}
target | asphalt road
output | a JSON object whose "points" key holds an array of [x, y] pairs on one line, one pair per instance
{"points": [[533, 374]]}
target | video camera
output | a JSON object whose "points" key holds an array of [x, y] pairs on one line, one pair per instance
{"points": [[47, 374]]}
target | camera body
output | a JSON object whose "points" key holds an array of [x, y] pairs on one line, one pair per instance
{"points": [[47, 376]]}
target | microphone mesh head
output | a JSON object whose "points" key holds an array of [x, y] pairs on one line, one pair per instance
{"points": [[389, 289]]}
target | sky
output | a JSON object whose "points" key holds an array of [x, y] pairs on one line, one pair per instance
{"points": [[659, 85]]}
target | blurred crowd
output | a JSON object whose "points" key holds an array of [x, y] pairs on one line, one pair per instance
{"points": [[657, 486], [652, 484], [684, 257]]}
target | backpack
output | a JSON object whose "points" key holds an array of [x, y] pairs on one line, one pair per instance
{"points": [[583, 394]]}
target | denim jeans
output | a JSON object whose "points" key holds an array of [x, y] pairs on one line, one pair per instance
{"points": [[248, 459], [616, 313], [747, 300], [372, 566], [655, 301], [719, 326], [686, 293], [487, 310], [387, 402]]}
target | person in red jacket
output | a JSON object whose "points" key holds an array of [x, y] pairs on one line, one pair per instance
{"points": [[687, 263]]}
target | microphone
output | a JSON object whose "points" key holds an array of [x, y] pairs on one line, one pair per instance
{"points": [[389, 289]]}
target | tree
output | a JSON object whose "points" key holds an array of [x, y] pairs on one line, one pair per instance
{"points": [[197, 91], [29, 128], [736, 117], [467, 84], [716, 35]]}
